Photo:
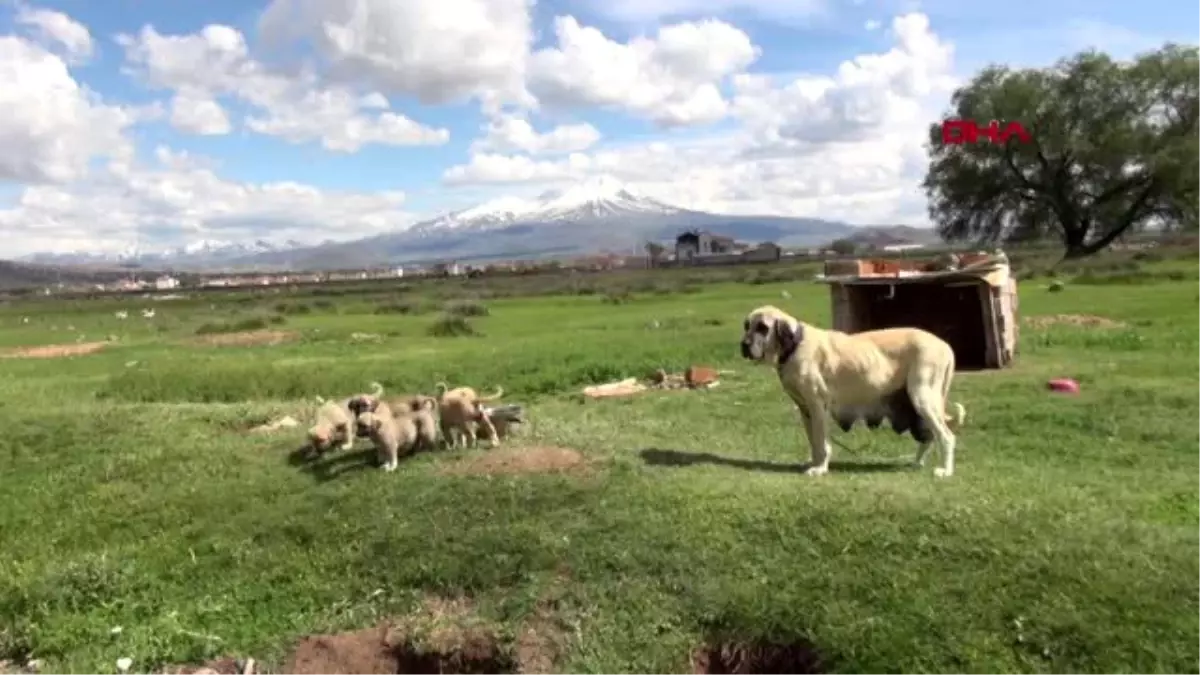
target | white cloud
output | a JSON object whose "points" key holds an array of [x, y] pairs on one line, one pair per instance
{"points": [[51, 127], [58, 29], [872, 24], [673, 79], [846, 144], [297, 107], [179, 196], [850, 145], [435, 50], [869, 95], [643, 11], [195, 112], [508, 133]]}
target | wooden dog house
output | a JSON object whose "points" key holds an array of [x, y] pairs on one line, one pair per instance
{"points": [[969, 300]]}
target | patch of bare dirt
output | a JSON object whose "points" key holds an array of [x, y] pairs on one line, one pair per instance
{"points": [[222, 666], [53, 351], [757, 657], [248, 338], [508, 460], [1081, 320], [444, 636], [543, 637]]}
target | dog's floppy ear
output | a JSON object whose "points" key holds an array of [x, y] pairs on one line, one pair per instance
{"points": [[788, 339]]}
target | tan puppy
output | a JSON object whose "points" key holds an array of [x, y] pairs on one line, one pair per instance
{"points": [[901, 374], [391, 435], [334, 422], [421, 410], [459, 411], [361, 403]]}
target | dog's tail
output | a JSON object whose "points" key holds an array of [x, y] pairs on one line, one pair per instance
{"points": [[376, 389], [319, 399], [493, 397], [960, 415]]}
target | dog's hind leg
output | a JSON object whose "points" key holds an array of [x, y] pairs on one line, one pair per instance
{"points": [[931, 409]]}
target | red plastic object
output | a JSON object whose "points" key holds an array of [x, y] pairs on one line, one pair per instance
{"points": [[1063, 385]]}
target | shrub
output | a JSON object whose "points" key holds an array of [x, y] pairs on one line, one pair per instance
{"points": [[617, 298], [466, 308], [452, 325], [402, 307], [239, 326]]}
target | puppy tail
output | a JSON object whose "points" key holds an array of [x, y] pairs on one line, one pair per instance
{"points": [[493, 397], [320, 400], [376, 389]]}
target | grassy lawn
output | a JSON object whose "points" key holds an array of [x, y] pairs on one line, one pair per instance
{"points": [[133, 498]]}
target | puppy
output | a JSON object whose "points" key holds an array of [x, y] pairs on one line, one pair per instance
{"points": [[391, 435], [504, 425], [459, 411], [900, 374], [334, 423], [421, 410], [361, 403]]}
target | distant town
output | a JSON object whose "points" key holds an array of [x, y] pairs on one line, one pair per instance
{"points": [[691, 248]]}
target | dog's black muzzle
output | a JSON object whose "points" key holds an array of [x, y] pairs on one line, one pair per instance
{"points": [[746, 349]]}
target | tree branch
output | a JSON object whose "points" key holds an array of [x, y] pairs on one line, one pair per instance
{"points": [[1127, 219]]}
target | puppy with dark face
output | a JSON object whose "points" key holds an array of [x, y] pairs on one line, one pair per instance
{"points": [[391, 435], [361, 403], [901, 374]]}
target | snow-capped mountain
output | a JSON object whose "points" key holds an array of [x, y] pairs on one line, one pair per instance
{"points": [[199, 253], [595, 215], [596, 198]]}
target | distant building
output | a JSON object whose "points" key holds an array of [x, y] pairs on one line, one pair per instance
{"points": [[166, 283], [451, 269], [900, 248], [697, 243]]}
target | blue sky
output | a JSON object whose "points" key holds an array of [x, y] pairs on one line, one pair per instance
{"points": [[73, 171]]}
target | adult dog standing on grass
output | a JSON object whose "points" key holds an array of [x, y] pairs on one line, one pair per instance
{"points": [[899, 374]]}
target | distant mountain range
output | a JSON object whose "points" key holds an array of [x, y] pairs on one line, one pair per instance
{"points": [[595, 215]]}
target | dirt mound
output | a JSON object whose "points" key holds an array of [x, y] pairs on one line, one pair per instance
{"points": [[53, 351], [757, 657], [247, 338], [221, 666], [1083, 320], [517, 460], [444, 636], [377, 650]]}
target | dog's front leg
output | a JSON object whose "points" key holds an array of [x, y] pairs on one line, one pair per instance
{"points": [[347, 436], [817, 429]]}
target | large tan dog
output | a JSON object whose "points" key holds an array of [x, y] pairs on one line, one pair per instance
{"points": [[899, 374], [459, 411]]}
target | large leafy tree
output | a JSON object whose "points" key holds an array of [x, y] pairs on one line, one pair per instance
{"points": [[1113, 150]]}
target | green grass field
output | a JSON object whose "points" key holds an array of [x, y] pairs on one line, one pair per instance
{"points": [[133, 497]]}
